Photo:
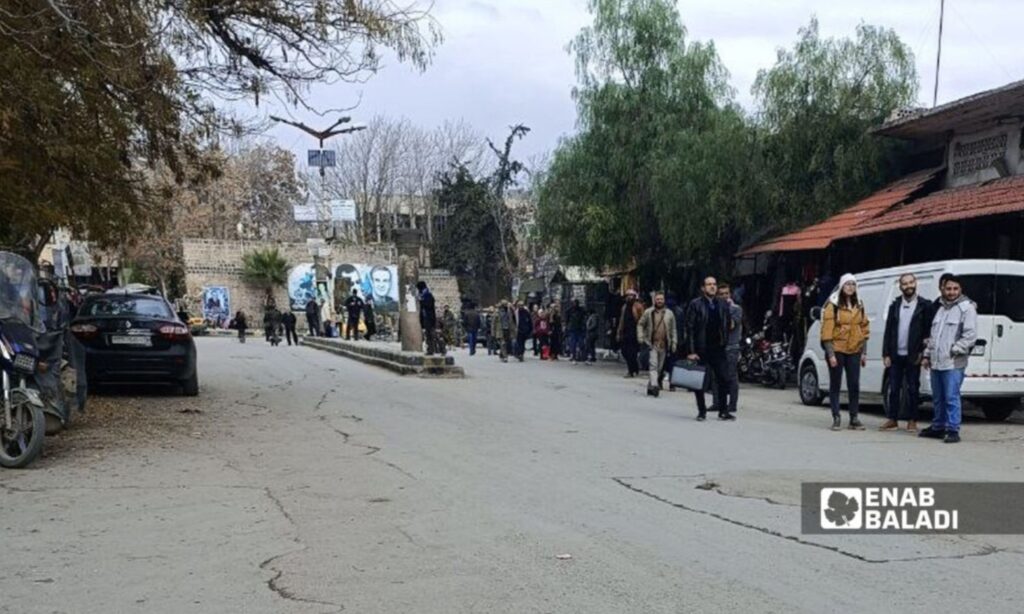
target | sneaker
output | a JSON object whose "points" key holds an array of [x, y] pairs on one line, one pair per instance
{"points": [[855, 424], [889, 425], [952, 437], [726, 416], [932, 433], [912, 427], [837, 423], [701, 417], [652, 391]]}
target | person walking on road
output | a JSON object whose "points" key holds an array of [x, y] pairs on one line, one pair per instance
{"points": [[241, 323], [353, 311], [272, 325], [954, 332], [471, 322], [906, 328], [542, 333], [428, 317], [844, 337], [576, 323], [290, 321], [593, 330], [707, 333], [657, 332], [501, 331], [524, 328], [732, 348], [313, 317], [626, 333]]}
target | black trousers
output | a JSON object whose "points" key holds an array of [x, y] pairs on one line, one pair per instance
{"points": [[352, 329], [903, 372], [289, 334], [430, 336], [850, 363], [314, 325], [718, 370], [521, 344], [630, 349]]}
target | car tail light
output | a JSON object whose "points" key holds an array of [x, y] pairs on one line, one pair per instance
{"points": [[84, 331], [174, 332]]}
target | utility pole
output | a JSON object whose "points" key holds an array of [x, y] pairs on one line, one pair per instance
{"points": [[322, 135], [938, 58]]}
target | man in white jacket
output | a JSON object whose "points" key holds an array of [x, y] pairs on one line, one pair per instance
{"points": [[953, 333]]}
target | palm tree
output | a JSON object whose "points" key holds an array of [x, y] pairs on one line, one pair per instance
{"points": [[265, 268]]}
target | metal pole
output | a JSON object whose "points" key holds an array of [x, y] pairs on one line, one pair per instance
{"points": [[938, 58]]}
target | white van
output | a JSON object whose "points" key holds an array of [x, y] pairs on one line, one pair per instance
{"points": [[995, 373]]}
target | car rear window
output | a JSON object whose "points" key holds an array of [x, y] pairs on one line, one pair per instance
{"points": [[126, 306]]}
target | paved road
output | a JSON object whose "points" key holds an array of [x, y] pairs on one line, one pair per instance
{"points": [[310, 483]]}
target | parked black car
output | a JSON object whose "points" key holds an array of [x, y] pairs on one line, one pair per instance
{"points": [[135, 338]]}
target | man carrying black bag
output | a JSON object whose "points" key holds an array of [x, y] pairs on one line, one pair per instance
{"points": [[707, 331]]}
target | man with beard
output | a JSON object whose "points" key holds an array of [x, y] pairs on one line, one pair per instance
{"points": [[954, 330], [657, 331], [707, 333], [907, 327]]}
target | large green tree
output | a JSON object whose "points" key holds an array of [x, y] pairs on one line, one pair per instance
{"points": [[647, 178], [816, 107]]}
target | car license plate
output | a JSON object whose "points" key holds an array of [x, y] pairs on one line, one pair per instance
{"points": [[131, 340]]}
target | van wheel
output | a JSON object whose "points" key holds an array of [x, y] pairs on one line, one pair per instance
{"points": [[810, 393], [997, 410]]}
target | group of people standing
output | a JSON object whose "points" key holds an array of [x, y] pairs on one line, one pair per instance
{"points": [[705, 333], [507, 327], [354, 309], [936, 336]]}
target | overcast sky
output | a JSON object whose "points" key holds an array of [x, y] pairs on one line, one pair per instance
{"points": [[504, 61]]}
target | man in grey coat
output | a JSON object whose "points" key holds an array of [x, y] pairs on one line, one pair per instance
{"points": [[953, 333], [657, 332]]}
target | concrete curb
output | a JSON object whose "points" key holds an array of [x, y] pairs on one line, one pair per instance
{"points": [[389, 357]]}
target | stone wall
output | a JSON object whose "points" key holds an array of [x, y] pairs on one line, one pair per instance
{"points": [[219, 263]]}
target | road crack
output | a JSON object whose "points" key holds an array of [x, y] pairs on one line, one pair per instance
{"points": [[273, 584], [986, 550]]}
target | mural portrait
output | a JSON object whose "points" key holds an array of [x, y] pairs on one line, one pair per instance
{"points": [[216, 303], [379, 282], [301, 286]]}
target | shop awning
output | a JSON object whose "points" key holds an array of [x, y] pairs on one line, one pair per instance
{"points": [[821, 235], [995, 197]]}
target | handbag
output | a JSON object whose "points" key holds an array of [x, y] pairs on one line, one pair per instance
{"points": [[690, 375]]}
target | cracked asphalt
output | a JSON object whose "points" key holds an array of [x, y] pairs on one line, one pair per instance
{"points": [[303, 482]]}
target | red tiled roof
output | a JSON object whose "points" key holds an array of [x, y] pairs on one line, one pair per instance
{"points": [[821, 235], [978, 200]]}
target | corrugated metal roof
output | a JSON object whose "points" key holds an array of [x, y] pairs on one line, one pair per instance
{"points": [[821, 235], [975, 111], [992, 198]]}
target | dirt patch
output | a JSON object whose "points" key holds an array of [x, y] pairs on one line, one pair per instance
{"points": [[126, 421]]}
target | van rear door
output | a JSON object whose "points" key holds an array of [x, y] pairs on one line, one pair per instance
{"points": [[1007, 345], [981, 288]]}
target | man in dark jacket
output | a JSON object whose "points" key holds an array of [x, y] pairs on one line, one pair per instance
{"points": [[313, 317], [289, 320], [471, 322], [354, 309], [369, 318], [428, 317], [524, 328], [906, 328], [576, 323], [707, 333]]}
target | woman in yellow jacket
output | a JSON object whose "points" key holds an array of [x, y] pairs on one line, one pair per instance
{"points": [[844, 337]]}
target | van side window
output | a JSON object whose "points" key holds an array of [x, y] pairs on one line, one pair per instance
{"points": [[927, 287], [871, 296], [981, 290], [1010, 297]]}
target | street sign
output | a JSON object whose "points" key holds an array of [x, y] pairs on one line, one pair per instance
{"points": [[322, 158], [343, 210]]}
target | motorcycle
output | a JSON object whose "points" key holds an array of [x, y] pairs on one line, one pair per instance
{"points": [[23, 425], [763, 361], [778, 365]]}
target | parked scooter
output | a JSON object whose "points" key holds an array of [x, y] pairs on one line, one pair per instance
{"points": [[23, 423]]}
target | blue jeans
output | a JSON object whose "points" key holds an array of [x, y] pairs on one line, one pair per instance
{"points": [[472, 342], [575, 345], [946, 399]]}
